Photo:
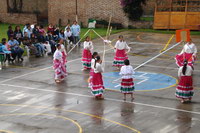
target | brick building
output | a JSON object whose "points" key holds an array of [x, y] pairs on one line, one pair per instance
{"points": [[64, 11], [23, 11]]}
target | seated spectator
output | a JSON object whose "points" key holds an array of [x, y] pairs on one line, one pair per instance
{"points": [[39, 46], [31, 49], [62, 35], [47, 47], [15, 49], [18, 35], [51, 41], [10, 32], [3, 49], [36, 30], [25, 27], [29, 31], [50, 29], [56, 33], [68, 26], [42, 30], [68, 35]]}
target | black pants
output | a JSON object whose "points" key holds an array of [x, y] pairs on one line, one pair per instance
{"points": [[17, 52]]}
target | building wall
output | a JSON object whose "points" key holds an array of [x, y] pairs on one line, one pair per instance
{"points": [[29, 8], [101, 10], [65, 11]]}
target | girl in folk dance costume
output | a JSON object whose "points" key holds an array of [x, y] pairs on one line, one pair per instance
{"points": [[184, 90], [127, 85], [87, 56], [58, 65], [122, 49], [94, 55], [63, 51], [97, 86], [188, 53]]}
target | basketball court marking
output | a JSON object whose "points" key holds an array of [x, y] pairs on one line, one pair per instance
{"points": [[109, 99], [71, 111], [144, 81], [38, 114]]}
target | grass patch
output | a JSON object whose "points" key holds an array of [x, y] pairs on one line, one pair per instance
{"points": [[101, 31]]}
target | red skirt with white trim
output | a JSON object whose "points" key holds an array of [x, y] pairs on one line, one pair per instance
{"points": [[185, 56], [64, 58], [127, 86], [86, 59], [97, 86], [60, 70], [185, 88], [119, 58], [91, 77]]}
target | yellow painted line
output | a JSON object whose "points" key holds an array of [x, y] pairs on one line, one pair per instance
{"points": [[133, 129], [5, 131], [168, 42], [38, 114], [72, 111]]}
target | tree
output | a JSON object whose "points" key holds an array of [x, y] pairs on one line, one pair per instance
{"points": [[133, 8]]}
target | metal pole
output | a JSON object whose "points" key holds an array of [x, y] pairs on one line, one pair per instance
{"points": [[76, 10], [78, 42], [157, 56]]}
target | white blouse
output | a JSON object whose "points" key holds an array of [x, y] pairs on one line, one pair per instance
{"points": [[121, 45], [92, 63], [188, 72], [189, 48], [57, 55], [63, 49], [88, 45], [98, 68], [68, 34], [127, 72]]}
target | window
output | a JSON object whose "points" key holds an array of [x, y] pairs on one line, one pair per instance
{"points": [[14, 6]]}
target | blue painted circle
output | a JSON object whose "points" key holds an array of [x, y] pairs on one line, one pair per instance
{"points": [[144, 81]]}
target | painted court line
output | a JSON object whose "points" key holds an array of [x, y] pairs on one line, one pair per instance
{"points": [[109, 99], [173, 68]]}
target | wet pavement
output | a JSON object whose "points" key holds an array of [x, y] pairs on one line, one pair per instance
{"points": [[31, 102]]}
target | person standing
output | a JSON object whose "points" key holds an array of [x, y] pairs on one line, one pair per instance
{"points": [[97, 86], [184, 90], [121, 50], [87, 53], [189, 53], [76, 30], [58, 65], [63, 51], [94, 55], [127, 84]]}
